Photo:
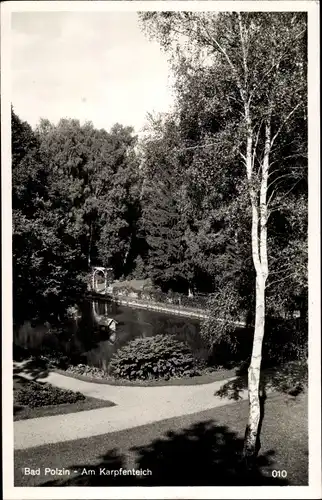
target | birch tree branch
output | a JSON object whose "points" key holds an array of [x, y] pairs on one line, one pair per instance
{"points": [[284, 122], [271, 283], [256, 142], [278, 179]]}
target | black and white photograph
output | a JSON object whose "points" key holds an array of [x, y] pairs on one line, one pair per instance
{"points": [[160, 252]]}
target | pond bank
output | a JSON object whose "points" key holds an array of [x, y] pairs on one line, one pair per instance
{"points": [[161, 307]]}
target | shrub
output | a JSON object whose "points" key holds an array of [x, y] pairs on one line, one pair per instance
{"points": [[227, 344], [35, 394], [284, 341], [88, 371], [291, 378], [158, 357]]}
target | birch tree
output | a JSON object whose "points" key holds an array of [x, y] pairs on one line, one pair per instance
{"points": [[258, 63]]}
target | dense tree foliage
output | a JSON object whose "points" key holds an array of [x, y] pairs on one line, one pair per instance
{"points": [[47, 263], [162, 199], [94, 182], [212, 137], [75, 201]]}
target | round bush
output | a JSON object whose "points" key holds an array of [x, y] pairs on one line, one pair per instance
{"points": [[35, 394], [158, 357]]}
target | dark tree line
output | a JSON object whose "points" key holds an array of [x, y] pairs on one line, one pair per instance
{"points": [[173, 206], [75, 202]]}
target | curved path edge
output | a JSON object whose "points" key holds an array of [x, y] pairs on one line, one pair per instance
{"points": [[135, 406], [219, 376]]}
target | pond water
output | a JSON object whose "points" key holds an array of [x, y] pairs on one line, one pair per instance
{"points": [[88, 340]]}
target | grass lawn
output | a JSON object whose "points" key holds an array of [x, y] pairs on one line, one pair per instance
{"points": [[202, 449], [23, 412]]}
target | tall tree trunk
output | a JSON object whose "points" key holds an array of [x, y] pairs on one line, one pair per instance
{"points": [[252, 443], [259, 251]]}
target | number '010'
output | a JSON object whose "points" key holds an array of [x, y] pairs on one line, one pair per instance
{"points": [[279, 473]]}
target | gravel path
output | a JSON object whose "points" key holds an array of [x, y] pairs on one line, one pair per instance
{"points": [[135, 406]]}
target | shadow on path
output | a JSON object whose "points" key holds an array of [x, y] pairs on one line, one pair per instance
{"points": [[204, 454], [33, 368]]}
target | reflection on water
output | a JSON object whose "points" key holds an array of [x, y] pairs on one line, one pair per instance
{"points": [[89, 340]]}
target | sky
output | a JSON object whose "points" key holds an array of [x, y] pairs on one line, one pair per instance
{"points": [[95, 66]]}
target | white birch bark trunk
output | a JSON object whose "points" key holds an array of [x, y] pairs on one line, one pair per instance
{"points": [[260, 260], [252, 444]]}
